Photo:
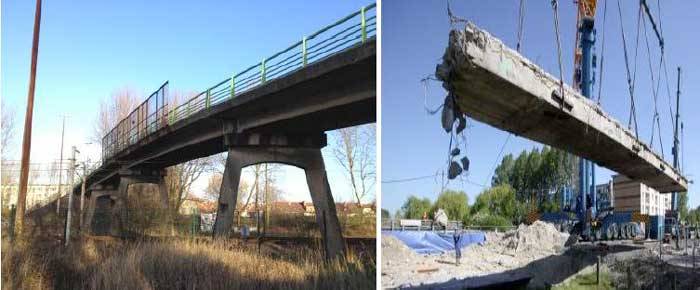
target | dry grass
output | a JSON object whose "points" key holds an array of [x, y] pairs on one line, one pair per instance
{"points": [[180, 264]]}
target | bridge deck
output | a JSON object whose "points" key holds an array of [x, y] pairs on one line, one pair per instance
{"points": [[335, 92], [496, 85]]}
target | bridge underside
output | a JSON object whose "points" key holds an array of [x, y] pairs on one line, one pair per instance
{"points": [[284, 120], [337, 92], [496, 85]]}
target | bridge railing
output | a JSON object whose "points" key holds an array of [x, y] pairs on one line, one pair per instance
{"points": [[155, 113]]}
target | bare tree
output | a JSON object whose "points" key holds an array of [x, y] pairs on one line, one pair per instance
{"points": [[8, 128], [213, 186], [114, 109], [264, 177], [355, 152], [179, 180]]}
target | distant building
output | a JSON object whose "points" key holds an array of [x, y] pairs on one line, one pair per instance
{"points": [[605, 195], [36, 193], [630, 195], [307, 208], [352, 209], [193, 204]]}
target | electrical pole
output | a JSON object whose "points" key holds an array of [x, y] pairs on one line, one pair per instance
{"points": [[27, 138], [60, 170], [82, 194], [70, 194], [674, 195], [257, 210]]}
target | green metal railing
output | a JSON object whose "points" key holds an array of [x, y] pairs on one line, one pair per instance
{"points": [[349, 31]]}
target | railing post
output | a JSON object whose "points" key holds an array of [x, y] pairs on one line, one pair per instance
{"points": [[303, 50], [207, 103], [262, 71], [363, 25], [233, 86]]}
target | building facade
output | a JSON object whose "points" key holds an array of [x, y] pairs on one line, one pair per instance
{"points": [[37, 194], [630, 195]]}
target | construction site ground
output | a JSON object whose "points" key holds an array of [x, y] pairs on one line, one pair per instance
{"points": [[537, 252]]}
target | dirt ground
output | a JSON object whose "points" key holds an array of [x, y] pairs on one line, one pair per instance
{"points": [[501, 252], [538, 251]]}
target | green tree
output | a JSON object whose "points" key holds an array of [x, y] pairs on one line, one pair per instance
{"points": [[503, 172], [694, 217], [485, 219], [454, 203], [683, 205], [500, 201], [415, 207], [385, 214], [537, 176]]}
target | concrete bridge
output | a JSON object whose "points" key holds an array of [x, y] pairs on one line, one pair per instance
{"points": [[275, 111]]}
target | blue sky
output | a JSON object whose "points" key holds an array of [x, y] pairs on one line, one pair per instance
{"points": [[89, 49], [414, 36]]}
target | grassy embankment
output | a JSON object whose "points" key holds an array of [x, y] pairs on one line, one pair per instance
{"points": [[107, 263]]}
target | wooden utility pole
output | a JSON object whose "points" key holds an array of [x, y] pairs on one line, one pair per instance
{"points": [[27, 138]]}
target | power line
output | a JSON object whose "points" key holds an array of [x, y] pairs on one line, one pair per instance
{"points": [[411, 178], [499, 157]]}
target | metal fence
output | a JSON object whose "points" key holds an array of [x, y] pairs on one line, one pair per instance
{"points": [[146, 119], [430, 225], [155, 114]]}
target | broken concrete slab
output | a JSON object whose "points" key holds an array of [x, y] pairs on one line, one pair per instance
{"points": [[496, 85]]}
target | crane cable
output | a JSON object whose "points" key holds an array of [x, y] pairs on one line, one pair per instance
{"points": [[630, 82], [555, 5], [663, 59], [602, 53], [521, 20], [655, 119], [424, 81]]}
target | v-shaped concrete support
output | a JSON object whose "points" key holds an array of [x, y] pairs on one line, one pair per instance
{"points": [[309, 159], [111, 204]]}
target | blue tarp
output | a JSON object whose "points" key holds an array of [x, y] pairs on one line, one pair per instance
{"points": [[432, 242]]}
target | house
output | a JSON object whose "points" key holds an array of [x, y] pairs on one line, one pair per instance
{"points": [[351, 209], [193, 204], [306, 208]]}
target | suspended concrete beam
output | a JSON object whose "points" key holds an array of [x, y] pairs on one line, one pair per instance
{"points": [[494, 84]]}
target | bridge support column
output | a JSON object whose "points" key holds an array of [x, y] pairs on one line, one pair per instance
{"points": [[100, 203], [111, 203], [228, 194], [309, 159]]}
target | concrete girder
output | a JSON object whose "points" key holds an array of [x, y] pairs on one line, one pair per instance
{"points": [[494, 84], [309, 159]]}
